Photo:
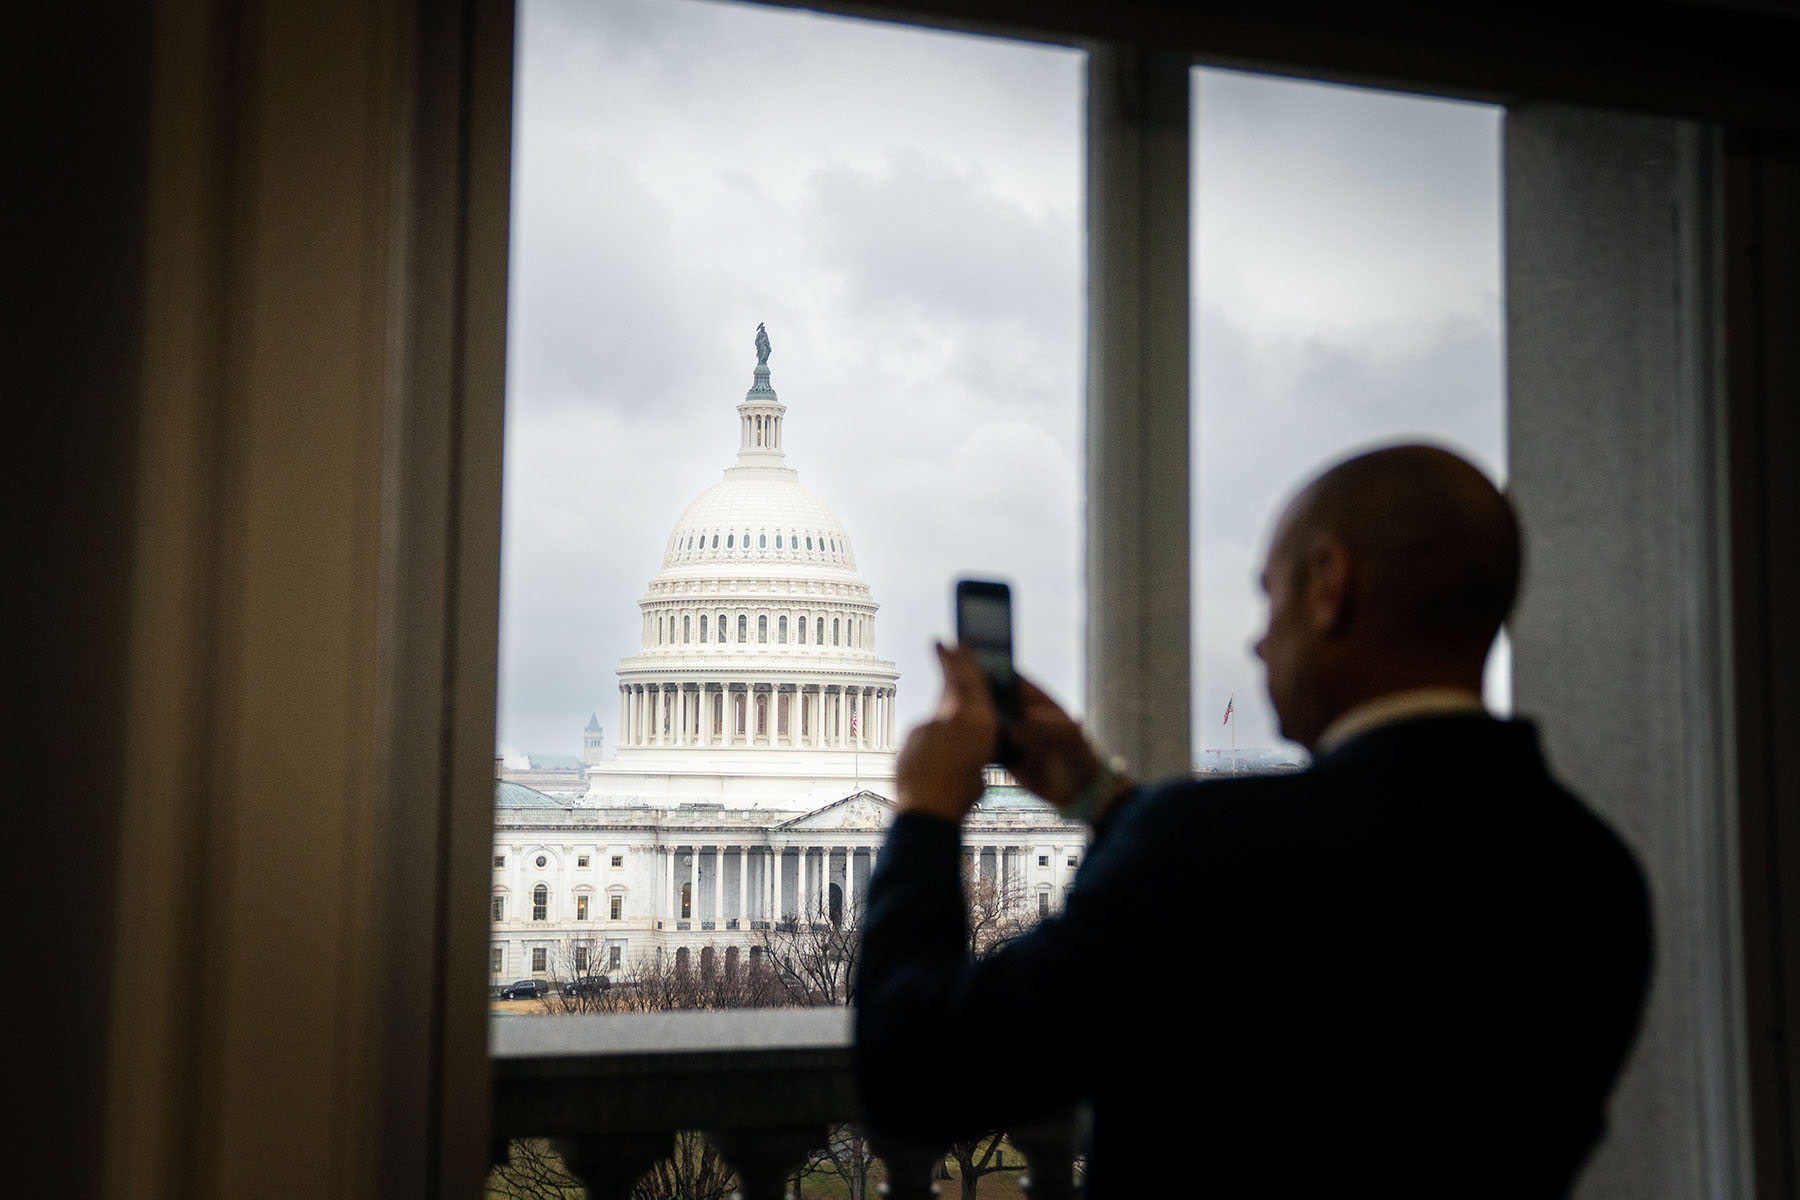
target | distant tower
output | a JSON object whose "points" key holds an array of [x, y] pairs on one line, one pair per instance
{"points": [[593, 741]]}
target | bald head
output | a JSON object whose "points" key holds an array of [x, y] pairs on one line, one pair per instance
{"points": [[1435, 546], [1393, 570]]}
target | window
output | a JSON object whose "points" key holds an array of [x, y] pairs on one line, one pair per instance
{"points": [[614, 957], [540, 902], [581, 958], [499, 861], [800, 628], [1043, 904], [762, 629], [542, 861], [497, 958], [819, 630], [743, 628], [1043, 860], [618, 860], [703, 627], [540, 959], [781, 630], [1073, 862], [687, 901], [686, 629], [615, 908], [581, 907], [498, 908], [834, 631], [762, 541], [581, 860]]}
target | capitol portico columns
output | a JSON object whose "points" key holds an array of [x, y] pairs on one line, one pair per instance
{"points": [[694, 884], [718, 887]]}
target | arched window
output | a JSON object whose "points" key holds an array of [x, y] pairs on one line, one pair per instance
{"points": [[800, 628], [687, 904], [762, 712], [762, 541], [540, 902], [729, 541], [721, 627], [809, 542], [738, 706], [834, 632], [681, 955], [659, 631], [708, 961], [819, 632], [762, 629], [731, 962], [703, 627], [781, 630], [715, 544], [835, 905], [778, 541], [687, 631], [743, 628]]}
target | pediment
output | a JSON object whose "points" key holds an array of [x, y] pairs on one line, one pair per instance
{"points": [[864, 810]]}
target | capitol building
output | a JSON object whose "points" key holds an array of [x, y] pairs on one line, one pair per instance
{"points": [[753, 769]]}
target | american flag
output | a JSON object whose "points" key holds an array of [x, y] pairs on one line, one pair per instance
{"points": [[1228, 702], [853, 723]]}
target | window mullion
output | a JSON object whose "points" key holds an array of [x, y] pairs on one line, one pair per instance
{"points": [[1138, 676]]}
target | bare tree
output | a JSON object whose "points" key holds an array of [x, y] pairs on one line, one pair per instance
{"points": [[533, 1171], [813, 956], [693, 1171], [977, 1157]]}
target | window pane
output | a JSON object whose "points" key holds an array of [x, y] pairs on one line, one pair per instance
{"points": [[1347, 292], [908, 410]]}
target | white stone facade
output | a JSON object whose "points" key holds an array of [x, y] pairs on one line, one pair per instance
{"points": [[754, 755]]}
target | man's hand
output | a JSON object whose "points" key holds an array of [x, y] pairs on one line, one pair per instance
{"points": [[939, 770], [1048, 752]]}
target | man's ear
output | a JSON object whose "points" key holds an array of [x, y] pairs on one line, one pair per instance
{"points": [[1327, 595]]}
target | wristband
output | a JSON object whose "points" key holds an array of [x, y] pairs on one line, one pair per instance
{"points": [[1099, 790]]}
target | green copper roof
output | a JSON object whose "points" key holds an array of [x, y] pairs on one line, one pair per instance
{"points": [[517, 795]]}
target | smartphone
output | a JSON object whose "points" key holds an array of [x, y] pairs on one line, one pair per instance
{"points": [[984, 625]]}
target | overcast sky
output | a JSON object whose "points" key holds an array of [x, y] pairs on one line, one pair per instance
{"points": [[904, 211]]}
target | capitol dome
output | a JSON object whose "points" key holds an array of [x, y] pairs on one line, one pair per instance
{"points": [[758, 633]]}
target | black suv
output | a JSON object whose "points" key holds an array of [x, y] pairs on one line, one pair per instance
{"points": [[525, 989], [588, 985]]}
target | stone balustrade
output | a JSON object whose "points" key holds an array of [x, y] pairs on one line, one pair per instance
{"points": [[764, 1086]]}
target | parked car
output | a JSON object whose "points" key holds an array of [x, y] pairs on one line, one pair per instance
{"points": [[525, 989], [587, 985]]}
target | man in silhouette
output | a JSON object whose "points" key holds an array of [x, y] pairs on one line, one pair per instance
{"points": [[1413, 968]]}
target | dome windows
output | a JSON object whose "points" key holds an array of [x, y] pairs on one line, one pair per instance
{"points": [[715, 544], [781, 627], [762, 541], [762, 629], [702, 628], [721, 628], [743, 628], [730, 541], [778, 541], [800, 628], [809, 543]]}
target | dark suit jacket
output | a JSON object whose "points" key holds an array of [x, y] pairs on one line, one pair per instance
{"points": [[1414, 967]]}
